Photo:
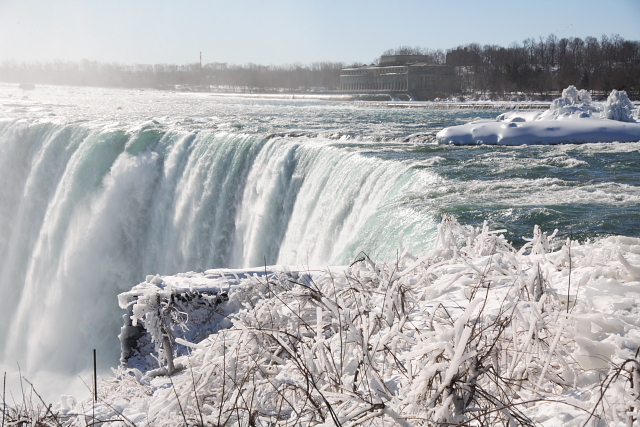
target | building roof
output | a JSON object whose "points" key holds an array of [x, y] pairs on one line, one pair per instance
{"points": [[409, 64]]}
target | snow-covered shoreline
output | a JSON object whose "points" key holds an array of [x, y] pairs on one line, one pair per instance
{"points": [[472, 331]]}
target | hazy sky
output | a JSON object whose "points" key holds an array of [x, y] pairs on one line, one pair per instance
{"points": [[286, 31]]}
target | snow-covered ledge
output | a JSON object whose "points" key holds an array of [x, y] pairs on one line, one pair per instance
{"points": [[165, 315]]}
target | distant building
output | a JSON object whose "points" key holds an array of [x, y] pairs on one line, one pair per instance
{"points": [[400, 75]]}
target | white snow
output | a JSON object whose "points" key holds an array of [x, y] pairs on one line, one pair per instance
{"points": [[473, 332], [618, 107], [571, 119]]}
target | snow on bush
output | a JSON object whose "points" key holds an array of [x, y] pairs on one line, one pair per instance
{"points": [[584, 96], [570, 97], [474, 332], [618, 107], [570, 94]]}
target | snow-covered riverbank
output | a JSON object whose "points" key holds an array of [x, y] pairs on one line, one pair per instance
{"points": [[472, 331]]}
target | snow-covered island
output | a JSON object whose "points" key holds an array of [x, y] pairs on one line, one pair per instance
{"points": [[473, 332], [572, 119]]}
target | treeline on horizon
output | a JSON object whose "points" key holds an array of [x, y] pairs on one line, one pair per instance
{"points": [[535, 66], [549, 64], [244, 78]]}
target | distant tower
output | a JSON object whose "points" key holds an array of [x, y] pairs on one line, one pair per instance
{"points": [[201, 62]]}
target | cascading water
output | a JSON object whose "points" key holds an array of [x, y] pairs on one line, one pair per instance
{"points": [[88, 211]]}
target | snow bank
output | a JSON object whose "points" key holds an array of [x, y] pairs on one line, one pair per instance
{"points": [[472, 332], [571, 119]]}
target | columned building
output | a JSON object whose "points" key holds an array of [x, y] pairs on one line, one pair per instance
{"points": [[400, 74]]}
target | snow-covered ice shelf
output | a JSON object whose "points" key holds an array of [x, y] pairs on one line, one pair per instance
{"points": [[472, 332], [571, 119]]}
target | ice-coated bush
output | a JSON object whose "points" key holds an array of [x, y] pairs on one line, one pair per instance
{"points": [[473, 332], [584, 96], [618, 107], [571, 96]]}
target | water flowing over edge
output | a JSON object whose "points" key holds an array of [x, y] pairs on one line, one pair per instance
{"points": [[86, 211]]}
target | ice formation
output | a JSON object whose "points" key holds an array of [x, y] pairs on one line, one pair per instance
{"points": [[473, 332], [571, 96], [618, 107], [571, 119]]}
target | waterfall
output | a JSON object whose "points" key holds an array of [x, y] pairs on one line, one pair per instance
{"points": [[88, 210]]}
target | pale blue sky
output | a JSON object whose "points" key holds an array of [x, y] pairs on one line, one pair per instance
{"points": [[287, 31]]}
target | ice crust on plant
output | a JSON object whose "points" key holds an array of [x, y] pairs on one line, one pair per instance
{"points": [[618, 107], [571, 96], [473, 332]]}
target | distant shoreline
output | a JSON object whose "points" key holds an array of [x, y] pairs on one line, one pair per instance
{"points": [[357, 99], [440, 105], [366, 100]]}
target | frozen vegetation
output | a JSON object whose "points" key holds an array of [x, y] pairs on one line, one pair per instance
{"points": [[473, 332], [571, 119]]}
